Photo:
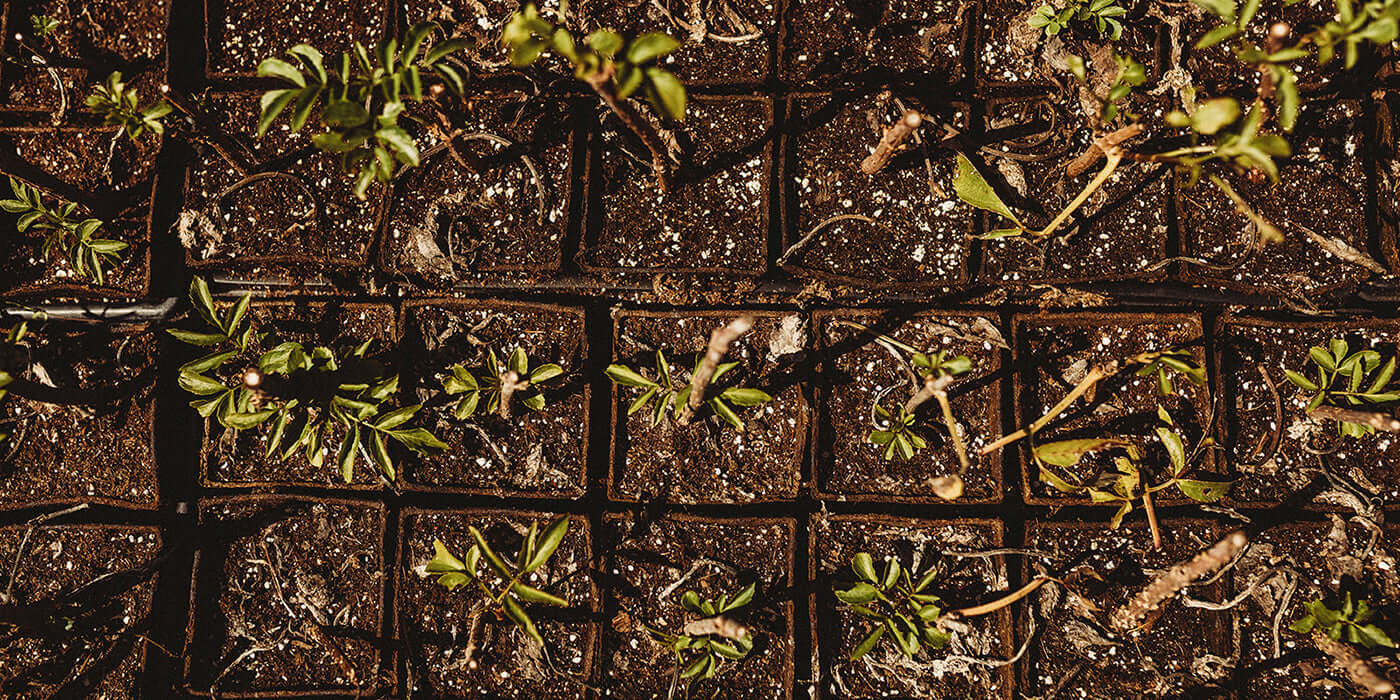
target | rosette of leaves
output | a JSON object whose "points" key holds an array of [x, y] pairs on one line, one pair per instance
{"points": [[1126, 482], [898, 431], [701, 655], [75, 238], [503, 588], [120, 106], [297, 392], [897, 604], [1102, 15], [43, 26], [12, 339], [362, 98], [1166, 365], [667, 393], [462, 382], [1347, 379], [1349, 623]]}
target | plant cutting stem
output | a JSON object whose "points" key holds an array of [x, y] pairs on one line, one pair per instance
{"points": [[1376, 419], [510, 383], [1356, 666], [1100, 146], [1005, 600], [1113, 156], [891, 142], [1091, 378], [230, 150], [720, 340], [602, 84], [1165, 587], [1152, 518]]}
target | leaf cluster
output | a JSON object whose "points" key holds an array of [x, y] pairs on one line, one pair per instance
{"points": [[1130, 74], [314, 386], [701, 656], [1244, 147], [1350, 621], [362, 99], [1347, 379], [1125, 482], [898, 431], [1102, 15], [88, 256], [1167, 364], [604, 57], [43, 26], [461, 381], [666, 392], [120, 106], [513, 594], [897, 604]]}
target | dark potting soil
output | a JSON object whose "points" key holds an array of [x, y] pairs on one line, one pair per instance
{"points": [[238, 458], [919, 546], [92, 39], [709, 461], [1387, 160], [858, 372], [1322, 189], [90, 436], [81, 637], [306, 214], [541, 453], [109, 177], [835, 43], [438, 625], [716, 220], [302, 582], [1057, 350], [722, 42], [501, 213], [1016, 54], [651, 564], [1218, 71], [1270, 451], [1180, 649], [482, 21], [241, 33], [1120, 231], [911, 230]]}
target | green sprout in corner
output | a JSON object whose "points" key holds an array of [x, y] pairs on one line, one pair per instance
{"points": [[73, 237], [897, 604], [1102, 15], [43, 26], [498, 383], [1349, 621], [120, 106], [1343, 381], [704, 644]]}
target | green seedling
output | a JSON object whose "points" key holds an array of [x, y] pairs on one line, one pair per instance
{"points": [[1350, 622], [897, 432], [498, 383], [1346, 379], [1102, 15], [120, 106], [667, 393], [43, 26], [704, 645], [88, 256], [897, 604]]}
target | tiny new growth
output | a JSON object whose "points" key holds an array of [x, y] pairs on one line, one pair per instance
{"points": [[1338, 632], [684, 401], [1344, 383], [499, 384], [613, 67], [120, 107], [89, 257], [504, 592], [704, 644], [297, 390]]}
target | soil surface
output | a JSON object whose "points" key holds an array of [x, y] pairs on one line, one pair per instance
{"points": [[846, 42], [241, 33]]}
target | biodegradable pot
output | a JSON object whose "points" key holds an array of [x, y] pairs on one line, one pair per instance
{"points": [[1267, 427], [1055, 350], [836, 630], [494, 206], [93, 37], [900, 228], [110, 177], [239, 34], [709, 461], [545, 452], [435, 632], [335, 550], [1322, 188], [646, 562], [290, 214], [1156, 660], [238, 460], [714, 222], [923, 42], [91, 438], [1015, 56], [857, 371], [1120, 232], [1387, 145], [103, 654]]}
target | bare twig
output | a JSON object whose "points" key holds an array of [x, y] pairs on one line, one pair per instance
{"points": [[718, 625], [1357, 668], [1099, 147], [24, 542], [891, 142], [1091, 378], [1164, 587], [806, 238], [1151, 512], [1380, 420], [510, 383], [1003, 601], [720, 340], [603, 85]]}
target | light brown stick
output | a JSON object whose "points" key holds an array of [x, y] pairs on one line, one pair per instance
{"points": [[510, 383], [1091, 378], [720, 340], [1003, 601], [1380, 421], [1100, 146], [1358, 669], [1164, 587], [891, 142], [718, 625]]}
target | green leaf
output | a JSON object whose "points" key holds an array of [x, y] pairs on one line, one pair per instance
{"points": [[349, 448], [1067, 453], [667, 93], [401, 143], [396, 417], [868, 643], [859, 594], [864, 567], [1224, 9], [531, 594], [648, 47], [1217, 35], [1204, 491], [345, 114], [723, 410], [1322, 358], [620, 374], [1371, 636], [700, 667], [972, 188], [208, 362], [492, 558], [741, 599], [544, 373], [1213, 115], [419, 440], [1299, 380], [605, 42], [200, 339], [277, 68], [1176, 450], [745, 397], [517, 614], [548, 543], [199, 384]]}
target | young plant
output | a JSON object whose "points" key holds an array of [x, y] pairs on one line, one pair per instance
{"points": [[705, 644], [1130, 480], [898, 432], [1102, 15], [1166, 365], [120, 107], [896, 604], [498, 383], [503, 589], [1345, 379], [88, 256], [361, 100], [1131, 74], [1350, 621], [613, 67], [297, 390], [43, 26], [666, 392]]}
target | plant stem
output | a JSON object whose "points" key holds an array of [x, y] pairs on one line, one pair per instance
{"points": [[1113, 156], [891, 142], [1152, 518], [1164, 587], [1357, 668], [603, 85], [1003, 601], [1100, 146], [720, 340], [1268, 233], [510, 383], [1091, 378], [1376, 419]]}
